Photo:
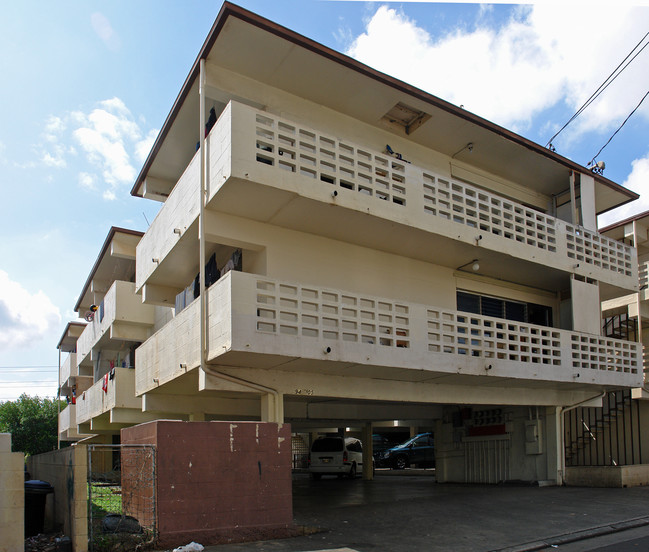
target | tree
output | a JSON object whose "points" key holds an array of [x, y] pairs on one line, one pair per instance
{"points": [[32, 422]]}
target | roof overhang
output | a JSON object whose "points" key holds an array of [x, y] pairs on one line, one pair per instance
{"points": [[247, 44], [116, 261], [72, 332]]}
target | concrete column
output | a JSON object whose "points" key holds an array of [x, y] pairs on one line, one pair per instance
{"points": [[368, 451], [272, 408], [554, 443]]}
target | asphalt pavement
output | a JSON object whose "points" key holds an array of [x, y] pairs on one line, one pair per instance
{"points": [[410, 512]]}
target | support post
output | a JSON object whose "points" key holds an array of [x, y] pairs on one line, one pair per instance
{"points": [[368, 452]]}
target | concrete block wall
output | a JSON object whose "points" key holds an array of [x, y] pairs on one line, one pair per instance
{"points": [[12, 497], [67, 471], [219, 481]]}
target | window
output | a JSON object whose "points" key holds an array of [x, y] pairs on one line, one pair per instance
{"points": [[497, 307]]}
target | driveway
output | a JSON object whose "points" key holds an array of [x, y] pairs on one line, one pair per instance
{"points": [[405, 513]]}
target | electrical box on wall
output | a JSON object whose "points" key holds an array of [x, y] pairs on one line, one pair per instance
{"points": [[533, 437]]}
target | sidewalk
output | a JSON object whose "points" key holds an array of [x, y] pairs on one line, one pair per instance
{"points": [[411, 513]]}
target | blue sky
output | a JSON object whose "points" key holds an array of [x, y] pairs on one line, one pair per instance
{"points": [[88, 84]]}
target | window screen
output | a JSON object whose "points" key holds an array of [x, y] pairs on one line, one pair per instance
{"points": [[497, 307]]}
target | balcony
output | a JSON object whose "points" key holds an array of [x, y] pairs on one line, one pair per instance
{"points": [[68, 424], [121, 317], [70, 380], [107, 397], [258, 322], [68, 368], [272, 170]]}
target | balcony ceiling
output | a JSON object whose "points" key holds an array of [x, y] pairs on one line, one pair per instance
{"points": [[258, 49]]}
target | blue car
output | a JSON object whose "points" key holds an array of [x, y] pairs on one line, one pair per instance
{"points": [[419, 451]]}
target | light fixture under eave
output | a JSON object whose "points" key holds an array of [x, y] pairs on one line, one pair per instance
{"points": [[468, 147], [474, 264]]}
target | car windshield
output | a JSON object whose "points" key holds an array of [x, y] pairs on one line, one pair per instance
{"points": [[414, 440], [327, 444]]}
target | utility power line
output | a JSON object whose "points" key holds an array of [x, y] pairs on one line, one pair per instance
{"points": [[14, 366], [609, 80], [619, 128]]}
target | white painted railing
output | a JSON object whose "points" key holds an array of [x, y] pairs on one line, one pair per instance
{"points": [[120, 304], [288, 320], [277, 152], [332, 315], [287, 146], [68, 368], [116, 392]]}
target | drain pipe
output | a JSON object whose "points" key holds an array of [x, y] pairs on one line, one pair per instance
{"points": [[562, 445], [201, 239], [58, 406]]}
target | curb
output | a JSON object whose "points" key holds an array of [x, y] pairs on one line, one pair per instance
{"points": [[566, 538]]}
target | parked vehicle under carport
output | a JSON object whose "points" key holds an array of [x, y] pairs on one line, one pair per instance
{"points": [[335, 456], [419, 451]]}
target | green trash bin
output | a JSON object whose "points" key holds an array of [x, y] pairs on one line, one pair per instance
{"points": [[36, 492]]}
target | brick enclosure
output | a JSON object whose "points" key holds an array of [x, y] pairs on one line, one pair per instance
{"points": [[219, 481]]}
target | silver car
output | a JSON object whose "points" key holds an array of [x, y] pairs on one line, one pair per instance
{"points": [[335, 456]]}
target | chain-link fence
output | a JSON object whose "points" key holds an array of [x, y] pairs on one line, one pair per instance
{"points": [[121, 497]]}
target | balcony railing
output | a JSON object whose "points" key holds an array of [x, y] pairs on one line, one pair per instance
{"points": [[68, 424], [253, 314], [68, 369], [121, 316], [117, 391], [280, 153]]}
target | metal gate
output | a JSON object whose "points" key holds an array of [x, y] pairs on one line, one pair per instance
{"points": [[486, 459], [121, 496]]}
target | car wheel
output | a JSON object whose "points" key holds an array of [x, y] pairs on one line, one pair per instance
{"points": [[400, 463], [316, 476], [352, 471]]}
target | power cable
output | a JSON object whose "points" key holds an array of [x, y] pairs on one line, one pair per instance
{"points": [[608, 81], [619, 128], [32, 366], [30, 382]]}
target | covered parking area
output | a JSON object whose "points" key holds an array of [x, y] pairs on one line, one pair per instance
{"points": [[473, 443]]}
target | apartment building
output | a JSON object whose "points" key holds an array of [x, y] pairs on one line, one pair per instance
{"points": [[336, 248]]}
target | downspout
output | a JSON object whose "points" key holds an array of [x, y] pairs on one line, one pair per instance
{"points": [[638, 306], [58, 406], [562, 445], [201, 239]]}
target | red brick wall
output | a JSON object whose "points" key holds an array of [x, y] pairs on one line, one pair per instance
{"points": [[219, 481]]}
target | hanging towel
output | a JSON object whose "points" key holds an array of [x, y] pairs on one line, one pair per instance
{"points": [[104, 384]]}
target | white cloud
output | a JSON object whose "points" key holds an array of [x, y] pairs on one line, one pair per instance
{"points": [[53, 127], [110, 138], [109, 195], [104, 30], [87, 180], [636, 181], [55, 160], [25, 318], [543, 55]]}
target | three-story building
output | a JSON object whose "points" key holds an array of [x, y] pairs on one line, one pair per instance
{"points": [[337, 248]]}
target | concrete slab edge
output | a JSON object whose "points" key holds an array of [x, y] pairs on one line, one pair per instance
{"points": [[575, 536]]}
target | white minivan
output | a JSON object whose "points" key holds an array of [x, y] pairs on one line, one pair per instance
{"points": [[335, 456]]}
